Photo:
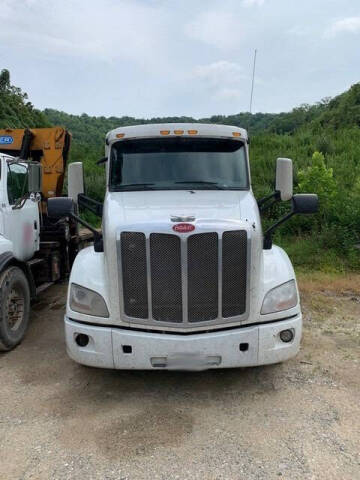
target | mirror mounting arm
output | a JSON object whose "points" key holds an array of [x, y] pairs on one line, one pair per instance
{"points": [[98, 238], [305, 203], [269, 232], [20, 202], [90, 204], [102, 161], [264, 202]]}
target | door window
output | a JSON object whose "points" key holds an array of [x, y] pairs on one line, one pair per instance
{"points": [[17, 180]]}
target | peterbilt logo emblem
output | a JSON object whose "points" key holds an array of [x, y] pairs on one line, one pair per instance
{"points": [[184, 227]]}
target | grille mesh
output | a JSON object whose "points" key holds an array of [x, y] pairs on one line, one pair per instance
{"points": [[202, 277], [166, 277], [133, 254], [167, 274], [234, 252]]}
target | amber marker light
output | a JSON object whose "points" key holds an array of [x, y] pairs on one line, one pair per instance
{"points": [[192, 132], [236, 134], [120, 135], [179, 132], [165, 132]]}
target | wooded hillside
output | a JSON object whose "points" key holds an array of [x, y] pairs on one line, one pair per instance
{"points": [[322, 139]]}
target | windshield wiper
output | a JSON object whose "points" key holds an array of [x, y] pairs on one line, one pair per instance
{"points": [[201, 182], [145, 186], [198, 181]]}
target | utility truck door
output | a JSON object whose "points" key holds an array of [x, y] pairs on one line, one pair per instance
{"points": [[21, 224], [2, 193]]}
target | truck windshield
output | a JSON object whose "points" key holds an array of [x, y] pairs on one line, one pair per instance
{"points": [[178, 163]]}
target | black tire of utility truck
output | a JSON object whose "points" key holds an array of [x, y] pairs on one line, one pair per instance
{"points": [[14, 307]]}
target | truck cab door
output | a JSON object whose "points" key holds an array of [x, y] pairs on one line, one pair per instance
{"points": [[21, 225], [2, 193]]}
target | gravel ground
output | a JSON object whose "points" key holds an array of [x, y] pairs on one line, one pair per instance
{"points": [[297, 420]]}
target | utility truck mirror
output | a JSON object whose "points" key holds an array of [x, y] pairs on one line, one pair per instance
{"points": [[60, 207], [34, 177], [305, 203], [75, 180], [284, 178]]}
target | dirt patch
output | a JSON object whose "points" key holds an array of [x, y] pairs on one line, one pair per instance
{"points": [[296, 420], [140, 434]]}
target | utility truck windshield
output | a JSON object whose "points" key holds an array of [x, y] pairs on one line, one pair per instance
{"points": [[178, 163]]}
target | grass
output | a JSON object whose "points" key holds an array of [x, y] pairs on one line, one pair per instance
{"points": [[338, 283], [308, 254]]}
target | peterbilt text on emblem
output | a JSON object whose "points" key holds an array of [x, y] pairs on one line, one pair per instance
{"points": [[183, 227]]}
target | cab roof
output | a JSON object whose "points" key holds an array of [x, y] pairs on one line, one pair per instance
{"points": [[175, 130]]}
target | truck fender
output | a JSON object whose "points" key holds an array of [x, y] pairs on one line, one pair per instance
{"points": [[89, 271], [7, 259]]}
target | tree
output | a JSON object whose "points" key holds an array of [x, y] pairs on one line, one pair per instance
{"points": [[4, 80]]}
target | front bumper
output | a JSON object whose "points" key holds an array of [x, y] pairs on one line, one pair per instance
{"points": [[118, 348]]}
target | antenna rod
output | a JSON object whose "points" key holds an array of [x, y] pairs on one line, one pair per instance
{"points": [[252, 84]]}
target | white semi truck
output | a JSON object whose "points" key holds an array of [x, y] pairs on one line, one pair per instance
{"points": [[183, 277]]}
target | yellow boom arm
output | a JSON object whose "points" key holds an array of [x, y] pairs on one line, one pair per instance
{"points": [[49, 146]]}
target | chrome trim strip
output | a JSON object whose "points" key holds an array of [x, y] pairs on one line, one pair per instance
{"points": [[220, 282], [184, 279], [148, 277]]}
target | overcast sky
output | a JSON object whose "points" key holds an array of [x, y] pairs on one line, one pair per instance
{"points": [[149, 58]]}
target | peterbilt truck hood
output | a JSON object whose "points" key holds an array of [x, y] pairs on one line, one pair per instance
{"points": [[149, 206]]}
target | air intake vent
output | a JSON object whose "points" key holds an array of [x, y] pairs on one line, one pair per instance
{"points": [[203, 277], [184, 280], [133, 255], [165, 258], [234, 255]]}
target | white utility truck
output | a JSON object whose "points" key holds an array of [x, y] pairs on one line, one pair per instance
{"points": [[183, 278], [39, 236]]}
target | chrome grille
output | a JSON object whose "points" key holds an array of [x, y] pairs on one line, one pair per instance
{"points": [[184, 280]]}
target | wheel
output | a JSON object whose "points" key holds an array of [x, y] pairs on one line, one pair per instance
{"points": [[14, 307]]}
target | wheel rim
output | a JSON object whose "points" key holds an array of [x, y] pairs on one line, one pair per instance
{"points": [[15, 309]]}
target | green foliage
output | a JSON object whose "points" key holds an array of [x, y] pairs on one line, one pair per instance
{"points": [[322, 139], [343, 110], [15, 110], [320, 179]]}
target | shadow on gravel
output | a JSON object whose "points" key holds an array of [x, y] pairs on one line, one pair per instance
{"points": [[184, 388], [133, 413]]}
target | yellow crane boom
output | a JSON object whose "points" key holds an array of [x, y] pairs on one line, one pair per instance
{"points": [[49, 146]]}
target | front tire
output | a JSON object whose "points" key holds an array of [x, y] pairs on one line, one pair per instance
{"points": [[14, 307]]}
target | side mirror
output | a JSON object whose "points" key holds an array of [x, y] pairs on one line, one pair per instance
{"points": [[305, 203], [34, 177], [75, 180], [284, 178], [302, 203], [60, 207]]}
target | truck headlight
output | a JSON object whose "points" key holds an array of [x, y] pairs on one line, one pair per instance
{"points": [[280, 298], [87, 301]]}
